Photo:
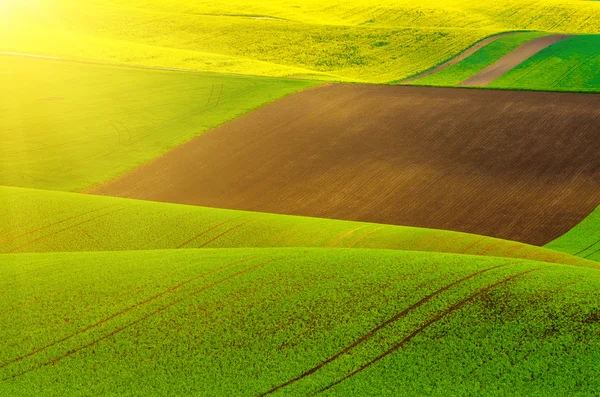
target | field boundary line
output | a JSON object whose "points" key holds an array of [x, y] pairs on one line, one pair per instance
{"points": [[391, 320], [107, 319], [434, 320], [153, 313]]}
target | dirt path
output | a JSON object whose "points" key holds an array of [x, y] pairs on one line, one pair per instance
{"points": [[465, 54], [512, 60], [516, 165]]}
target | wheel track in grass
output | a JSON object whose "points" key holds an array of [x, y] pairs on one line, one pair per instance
{"points": [[127, 310], [365, 235], [391, 320], [62, 230], [473, 244], [343, 235], [141, 319], [196, 237], [592, 254], [10, 240], [419, 330], [226, 231], [586, 248]]}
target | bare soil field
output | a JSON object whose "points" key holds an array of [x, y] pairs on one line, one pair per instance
{"points": [[517, 165], [512, 60]]}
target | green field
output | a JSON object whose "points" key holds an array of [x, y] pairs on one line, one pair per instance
{"points": [[583, 240], [569, 65], [470, 66], [245, 321], [104, 296], [330, 39], [69, 126], [46, 221]]}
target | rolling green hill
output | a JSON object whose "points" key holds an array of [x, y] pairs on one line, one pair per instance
{"points": [[569, 65], [47, 221], [69, 126], [295, 321]]}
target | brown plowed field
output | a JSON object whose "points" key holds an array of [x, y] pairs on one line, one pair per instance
{"points": [[516, 165], [512, 60]]}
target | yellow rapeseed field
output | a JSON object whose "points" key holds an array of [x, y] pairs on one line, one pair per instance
{"points": [[327, 39]]}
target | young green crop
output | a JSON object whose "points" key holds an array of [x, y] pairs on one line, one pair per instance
{"points": [[569, 65], [69, 126], [475, 63], [47, 221], [294, 321], [583, 240]]}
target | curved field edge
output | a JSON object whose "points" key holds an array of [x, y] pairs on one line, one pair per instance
{"points": [[294, 321], [569, 65], [69, 126], [583, 240], [456, 59], [47, 221], [476, 62]]}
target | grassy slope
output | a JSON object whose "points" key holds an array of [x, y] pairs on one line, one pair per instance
{"points": [[69, 126], [340, 39], [583, 240], [46, 221], [569, 65], [475, 63], [240, 322]]}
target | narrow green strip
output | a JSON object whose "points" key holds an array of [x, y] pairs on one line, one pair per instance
{"points": [[569, 65], [478, 61]]}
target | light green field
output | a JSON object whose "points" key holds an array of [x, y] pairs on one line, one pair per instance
{"points": [[583, 240], [569, 65], [47, 221], [242, 322], [475, 63], [69, 126], [332, 39]]}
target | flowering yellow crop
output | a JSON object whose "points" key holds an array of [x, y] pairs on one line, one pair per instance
{"points": [[327, 39]]}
